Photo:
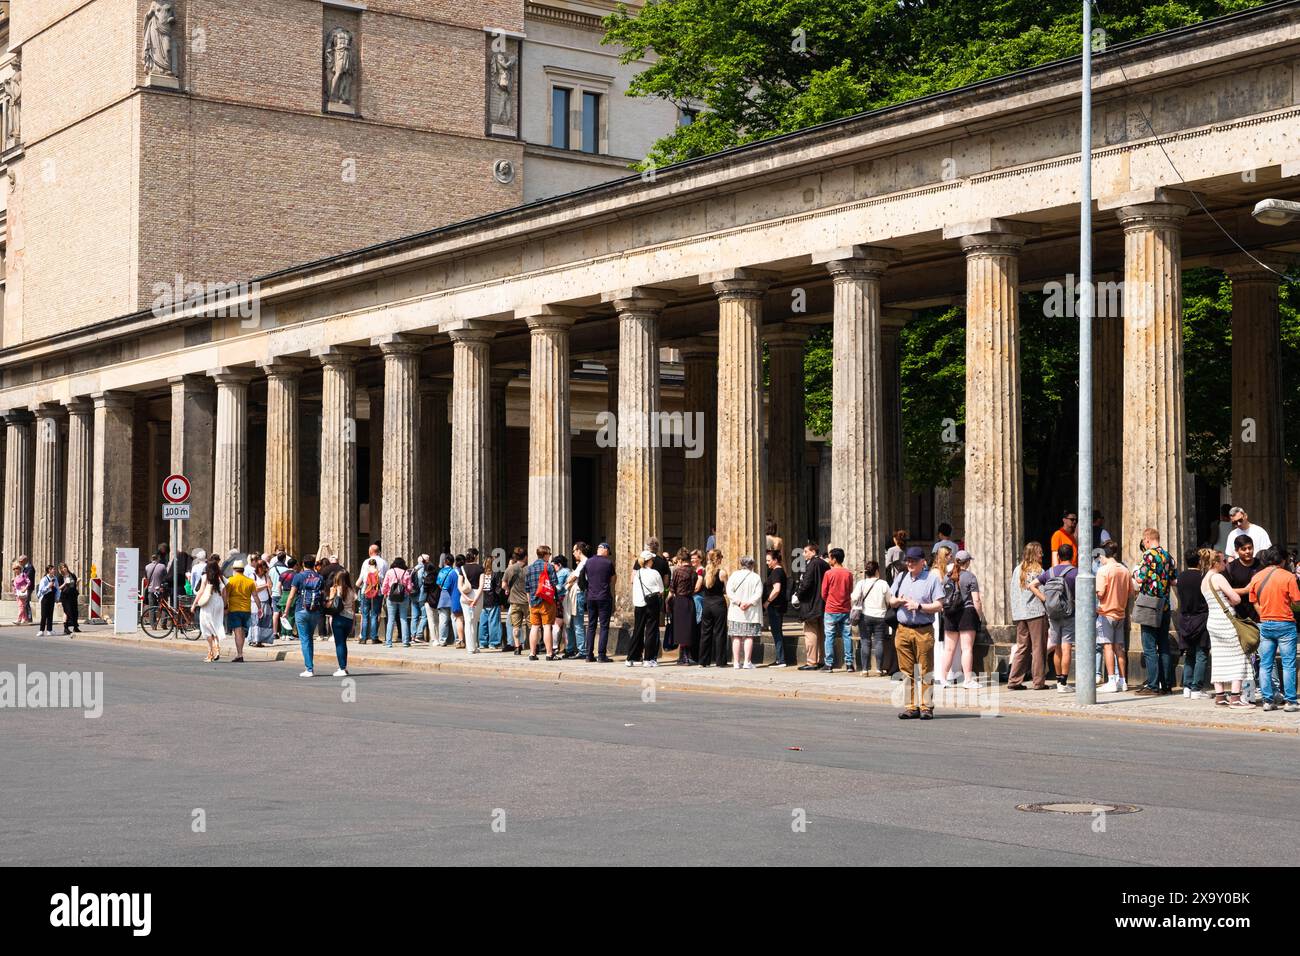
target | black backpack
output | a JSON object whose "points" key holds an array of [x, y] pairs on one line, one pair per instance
{"points": [[311, 592], [397, 590], [431, 590], [953, 601]]}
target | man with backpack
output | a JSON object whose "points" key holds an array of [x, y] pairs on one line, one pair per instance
{"points": [[1056, 591], [306, 603], [540, 582]]}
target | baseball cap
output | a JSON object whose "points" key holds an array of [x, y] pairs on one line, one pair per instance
{"points": [[915, 554], [963, 555], [647, 555]]}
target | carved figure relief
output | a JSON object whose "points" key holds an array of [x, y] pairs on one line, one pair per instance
{"points": [[340, 67], [159, 45]]}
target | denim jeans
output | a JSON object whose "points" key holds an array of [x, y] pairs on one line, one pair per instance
{"points": [[415, 615], [1194, 665], [598, 612], [1277, 639], [578, 626], [489, 627], [775, 618], [397, 616], [1157, 660], [342, 628], [837, 624], [307, 623], [370, 618], [872, 634]]}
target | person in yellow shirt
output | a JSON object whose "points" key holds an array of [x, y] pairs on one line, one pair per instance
{"points": [[239, 595]]}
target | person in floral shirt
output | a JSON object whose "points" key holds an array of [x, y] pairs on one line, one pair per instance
{"points": [[1153, 575]]}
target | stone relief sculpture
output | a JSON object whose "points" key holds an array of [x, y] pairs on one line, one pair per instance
{"points": [[11, 96], [503, 76], [340, 67], [159, 48]]}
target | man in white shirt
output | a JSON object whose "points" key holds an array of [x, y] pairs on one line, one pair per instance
{"points": [[1241, 521], [383, 565]]}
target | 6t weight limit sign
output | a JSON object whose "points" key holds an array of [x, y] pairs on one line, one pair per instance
{"points": [[176, 488]]}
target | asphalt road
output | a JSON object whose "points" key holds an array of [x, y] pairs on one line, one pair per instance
{"points": [[434, 769]]}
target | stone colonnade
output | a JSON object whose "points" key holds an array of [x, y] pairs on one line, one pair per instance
{"points": [[439, 466]]}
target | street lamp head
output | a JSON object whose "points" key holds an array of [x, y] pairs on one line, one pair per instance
{"points": [[1276, 212]]}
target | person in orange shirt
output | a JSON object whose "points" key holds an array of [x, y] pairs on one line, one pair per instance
{"points": [[1066, 535], [1273, 590], [1114, 591]]}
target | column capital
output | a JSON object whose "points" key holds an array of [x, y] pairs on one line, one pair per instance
{"points": [[548, 322], [19, 416], [642, 298], [79, 405], [854, 262], [232, 375], [113, 399], [1153, 215], [1148, 196], [467, 331], [541, 316], [1244, 268], [785, 335], [740, 283], [338, 356], [992, 237], [200, 382], [400, 343], [43, 410], [283, 366]]}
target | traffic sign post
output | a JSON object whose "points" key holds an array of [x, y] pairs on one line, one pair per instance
{"points": [[176, 493]]}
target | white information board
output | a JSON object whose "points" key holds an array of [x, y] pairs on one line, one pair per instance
{"points": [[126, 591]]}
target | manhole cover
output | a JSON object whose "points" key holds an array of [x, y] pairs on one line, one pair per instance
{"points": [[1088, 808]]}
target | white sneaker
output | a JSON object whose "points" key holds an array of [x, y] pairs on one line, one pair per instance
{"points": [[749, 666], [780, 665], [1187, 692], [1062, 688], [941, 684], [1109, 687], [1199, 695], [736, 665], [654, 663], [307, 674], [1121, 685], [630, 663], [341, 672], [971, 684], [1102, 680]]}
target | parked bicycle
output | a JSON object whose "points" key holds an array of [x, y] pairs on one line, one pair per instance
{"points": [[163, 620]]}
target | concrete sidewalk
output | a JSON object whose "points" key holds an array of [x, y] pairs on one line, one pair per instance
{"points": [[766, 682]]}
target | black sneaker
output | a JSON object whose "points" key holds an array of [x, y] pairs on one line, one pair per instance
{"points": [[589, 659], [827, 668], [807, 667], [605, 660], [532, 657]]}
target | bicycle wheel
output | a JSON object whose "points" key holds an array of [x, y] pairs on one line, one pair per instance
{"points": [[186, 625], [155, 622]]}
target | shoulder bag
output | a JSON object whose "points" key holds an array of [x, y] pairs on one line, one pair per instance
{"points": [[1247, 630]]}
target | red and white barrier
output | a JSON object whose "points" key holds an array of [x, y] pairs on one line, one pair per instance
{"points": [[96, 599]]}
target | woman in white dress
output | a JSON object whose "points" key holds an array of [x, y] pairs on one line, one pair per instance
{"points": [[212, 609], [259, 632], [1228, 663], [744, 612]]}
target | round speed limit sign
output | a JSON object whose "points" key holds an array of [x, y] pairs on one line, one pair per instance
{"points": [[176, 488]]}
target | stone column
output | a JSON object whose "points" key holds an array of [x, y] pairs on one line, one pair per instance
{"points": [[857, 398], [230, 477], [375, 427], [1155, 454], [113, 465], [471, 436], [47, 538], [194, 453], [550, 478], [283, 480], [700, 361], [338, 452], [401, 451], [739, 516], [20, 472], [436, 464], [496, 530], [79, 499], [893, 497], [785, 432], [607, 435], [994, 482], [639, 501], [1258, 468], [1108, 419]]}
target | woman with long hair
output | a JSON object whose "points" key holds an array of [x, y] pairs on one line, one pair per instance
{"points": [[713, 611], [47, 593], [23, 592], [961, 625], [1030, 617], [68, 598], [341, 603], [259, 631], [397, 592], [1229, 665], [870, 597], [681, 587], [212, 609]]}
